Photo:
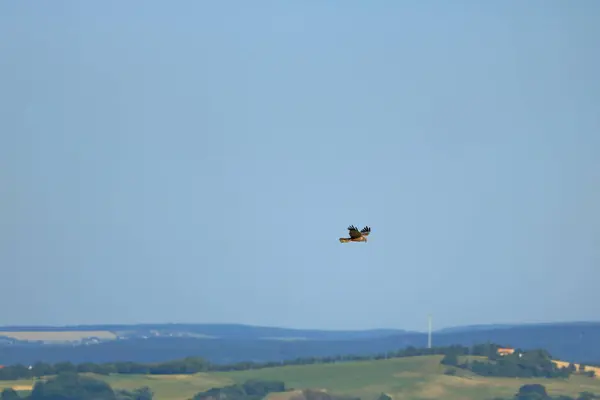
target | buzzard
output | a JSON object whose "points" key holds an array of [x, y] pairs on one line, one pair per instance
{"points": [[356, 235]]}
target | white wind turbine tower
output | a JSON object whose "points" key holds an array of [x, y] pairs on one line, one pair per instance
{"points": [[429, 332]]}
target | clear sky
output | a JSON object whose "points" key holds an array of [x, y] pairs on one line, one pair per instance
{"points": [[197, 162]]}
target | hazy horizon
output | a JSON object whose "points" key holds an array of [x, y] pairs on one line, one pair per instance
{"points": [[301, 328], [197, 162]]}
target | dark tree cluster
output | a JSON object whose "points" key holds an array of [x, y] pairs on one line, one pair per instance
{"points": [[258, 390], [312, 394], [537, 391], [520, 364], [192, 365], [253, 389], [72, 386]]}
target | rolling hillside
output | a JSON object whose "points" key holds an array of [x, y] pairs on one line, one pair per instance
{"points": [[405, 378]]}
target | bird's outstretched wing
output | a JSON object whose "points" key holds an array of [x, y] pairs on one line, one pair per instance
{"points": [[353, 231], [365, 231]]}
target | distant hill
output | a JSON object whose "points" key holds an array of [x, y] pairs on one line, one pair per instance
{"points": [[221, 331], [236, 343], [467, 328]]}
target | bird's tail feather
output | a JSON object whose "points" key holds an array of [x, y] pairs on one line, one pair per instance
{"points": [[344, 240]]}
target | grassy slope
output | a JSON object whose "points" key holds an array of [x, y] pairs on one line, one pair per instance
{"points": [[406, 378]]}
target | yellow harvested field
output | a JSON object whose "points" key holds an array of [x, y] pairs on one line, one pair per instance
{"points": [[22, 387], [58, 335], [587, 368]]}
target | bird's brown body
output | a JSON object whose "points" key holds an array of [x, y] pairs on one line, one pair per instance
{"points": [[356, 235]]}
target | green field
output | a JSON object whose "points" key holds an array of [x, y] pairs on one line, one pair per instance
{"points": [[402, 378]]}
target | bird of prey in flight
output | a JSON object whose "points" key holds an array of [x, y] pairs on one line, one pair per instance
{"points": [[356, 235]]}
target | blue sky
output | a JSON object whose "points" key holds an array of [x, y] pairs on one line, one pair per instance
{"points": [[198, 161]]}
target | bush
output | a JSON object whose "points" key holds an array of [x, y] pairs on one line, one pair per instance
{"points": [[532, 391], [450, 359], [450, 371]]}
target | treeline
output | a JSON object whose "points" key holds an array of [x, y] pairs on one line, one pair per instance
{"points": [[520, 364], [537, 391], [192, 365], [258, 390], [71, 386]]}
